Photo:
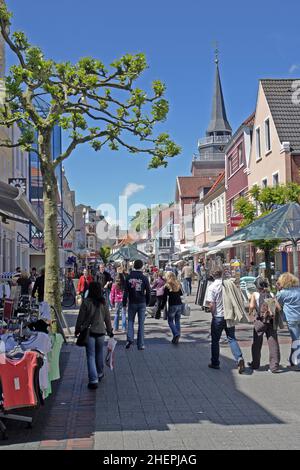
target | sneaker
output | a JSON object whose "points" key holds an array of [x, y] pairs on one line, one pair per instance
{"points": [[241, 366], [141, 348], [100, 377], [211, 366], [128, 344], [92, 386], [274, 371]]}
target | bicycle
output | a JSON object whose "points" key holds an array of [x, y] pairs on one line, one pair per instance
{"points": [[68, 299]]}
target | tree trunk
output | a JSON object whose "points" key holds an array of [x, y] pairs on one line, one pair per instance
{"points": [[268, 265], [50, 198]]}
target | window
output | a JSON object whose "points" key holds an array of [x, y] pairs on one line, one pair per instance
{"points": [[164, 243], [267, 135], [169, 228], [218, 212], [258, 147], [276, 179], [264, 182], [231, 207], [229, 166], [207, 218], [214, 213], [222, 210], [240, 154]]}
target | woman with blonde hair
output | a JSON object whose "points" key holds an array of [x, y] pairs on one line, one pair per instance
{"points": [[288, 298], [172, 294]]}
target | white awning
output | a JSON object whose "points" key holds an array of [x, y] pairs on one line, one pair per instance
{"points": [[13, 202], [225, 245]]}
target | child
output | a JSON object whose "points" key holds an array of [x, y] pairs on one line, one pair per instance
{"points": [[116, 298]]}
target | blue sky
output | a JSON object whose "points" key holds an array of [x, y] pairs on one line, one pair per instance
{"points": [[256, 40]]}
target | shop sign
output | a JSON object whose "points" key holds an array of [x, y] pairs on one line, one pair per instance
{"points": [[236, 220], [217, 230], [20, 183]]}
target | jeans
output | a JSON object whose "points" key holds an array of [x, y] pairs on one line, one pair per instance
{"points": [[218, 324], [140, 310], [174, 314], [119, 309], [107, 297], [95, 357], [187, 285], [294, 329]]}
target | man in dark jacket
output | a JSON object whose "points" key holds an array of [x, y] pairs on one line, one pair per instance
{"points": [[137, 292], [105, 280], [39, 286]]}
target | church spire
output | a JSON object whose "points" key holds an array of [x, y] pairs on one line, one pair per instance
{"points": [[218, 122]]}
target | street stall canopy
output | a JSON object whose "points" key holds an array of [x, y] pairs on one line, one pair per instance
{"points": [[281, 224], [13, 202], [128, 253]]}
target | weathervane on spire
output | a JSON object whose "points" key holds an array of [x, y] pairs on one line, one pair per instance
{"points": [[216, 53]]}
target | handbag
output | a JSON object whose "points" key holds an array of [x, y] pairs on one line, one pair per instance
{"points": [[84, 334], [186, 310], [83, 337]]}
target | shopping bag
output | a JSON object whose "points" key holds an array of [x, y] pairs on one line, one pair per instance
{"points": [[186, 310], [110, 353], [78, 300]]}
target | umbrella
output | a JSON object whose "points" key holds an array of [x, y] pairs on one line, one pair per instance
{"points": [[281, 224]]}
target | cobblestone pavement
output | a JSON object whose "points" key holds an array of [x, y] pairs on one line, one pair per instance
{"points": [[166, 397]]}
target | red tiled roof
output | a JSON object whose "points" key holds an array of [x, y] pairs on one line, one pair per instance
{"points": [[189, 186], [124, 242], [217, 183], [250, 120]]}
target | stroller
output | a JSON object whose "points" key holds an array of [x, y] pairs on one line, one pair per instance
{"points": [[151, 308]]}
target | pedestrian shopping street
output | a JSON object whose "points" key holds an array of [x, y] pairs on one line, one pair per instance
{"points": [[166, 397]]}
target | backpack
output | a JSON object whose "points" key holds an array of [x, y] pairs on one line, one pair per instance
{"points": [[264, 301]]}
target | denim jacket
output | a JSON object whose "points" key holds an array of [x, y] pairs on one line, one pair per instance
{"points": [[289, 299]]}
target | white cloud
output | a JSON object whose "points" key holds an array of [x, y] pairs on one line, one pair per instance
{"points": [[294, 67], [131, 189]]}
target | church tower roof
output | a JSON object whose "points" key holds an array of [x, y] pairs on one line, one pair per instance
{"points": [[219, 121]]}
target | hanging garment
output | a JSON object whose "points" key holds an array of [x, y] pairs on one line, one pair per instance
{"points": [[39, 325], [9, 341], [53, 356], [234, 308], [17, 380], [41, 342], [44, 311], [53, 361]]}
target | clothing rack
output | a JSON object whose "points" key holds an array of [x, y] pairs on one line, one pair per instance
{"points": [[25, 419], [10, 416]]}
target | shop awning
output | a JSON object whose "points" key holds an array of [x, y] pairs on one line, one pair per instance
{"points": [[225, 245], [13, 202]]}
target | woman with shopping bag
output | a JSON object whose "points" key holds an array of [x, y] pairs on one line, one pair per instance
{"points": [[92, 324]]}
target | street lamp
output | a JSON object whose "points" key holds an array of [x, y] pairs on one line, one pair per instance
{"points": [[84, 212]]}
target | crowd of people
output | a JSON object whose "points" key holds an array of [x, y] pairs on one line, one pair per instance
{"points": [[128, 292]]}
